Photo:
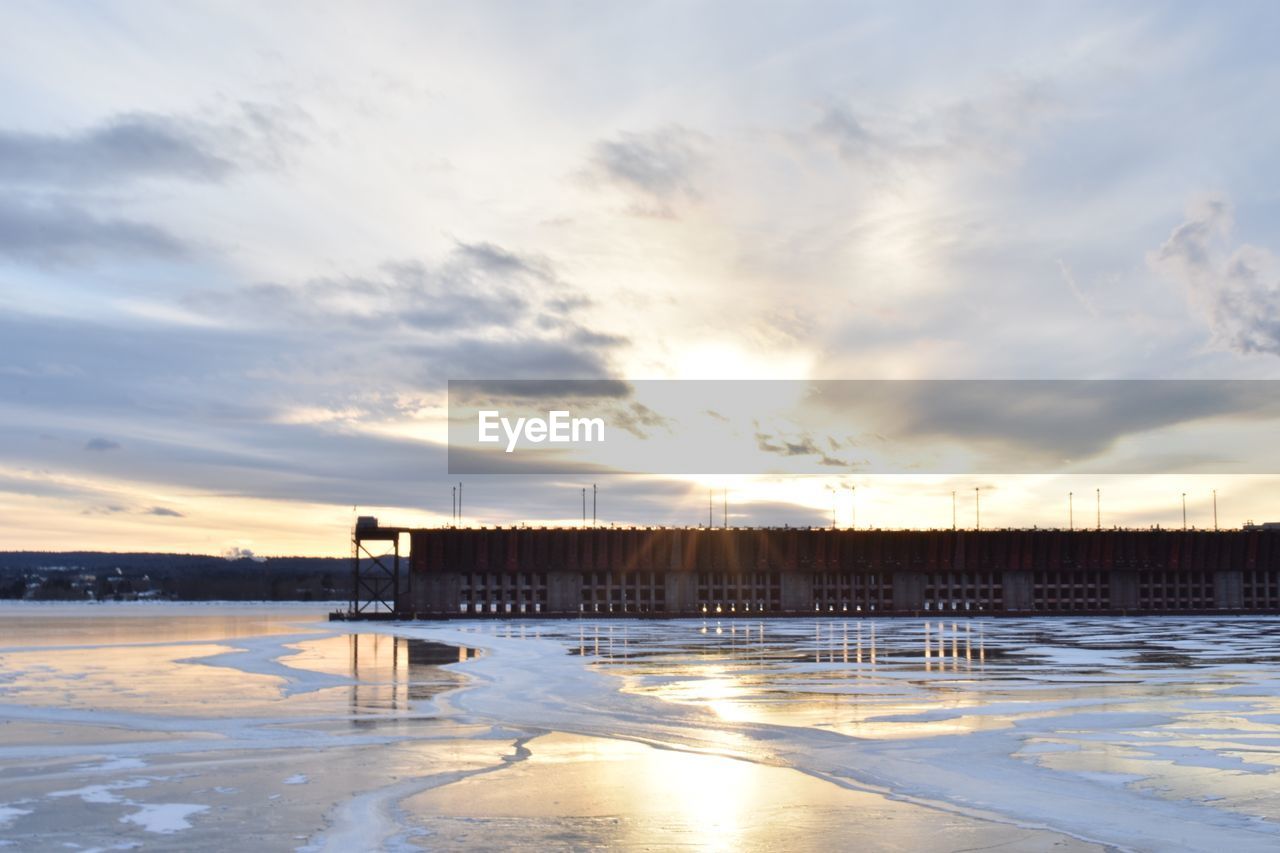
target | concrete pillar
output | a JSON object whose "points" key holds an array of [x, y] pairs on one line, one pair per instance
{"points": [[435, 592], [797, 592], [1228, 590], [1124, 589], [682, 593], [564, 592], [908, 591], [1019, 591]]}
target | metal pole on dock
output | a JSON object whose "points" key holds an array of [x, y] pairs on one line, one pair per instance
{"points": [[1071, 511], [1184, 510], [1215, 510], [1099, 495], [977, 509]]}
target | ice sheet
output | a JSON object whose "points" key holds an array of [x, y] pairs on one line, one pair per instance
{"points": [[1143, 734]]}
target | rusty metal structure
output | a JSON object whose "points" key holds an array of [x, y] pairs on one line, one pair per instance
{"points": [[663, 571], [376, 586]]}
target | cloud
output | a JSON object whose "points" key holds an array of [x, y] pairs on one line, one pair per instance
{"points": [[486, 391], [477, 286], [101, 444], [1237, 291], [985, 127], [522, 358], [58, 233], [660, 166], [109, 509], [164, 511], [137, 146], [802, 445], [482, 311], [58, 188], [1086, 302]]}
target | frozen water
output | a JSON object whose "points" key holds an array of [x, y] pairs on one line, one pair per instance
{"points": [[119, 724]]}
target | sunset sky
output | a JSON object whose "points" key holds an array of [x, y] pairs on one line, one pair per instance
{"points": [[244, 246]]}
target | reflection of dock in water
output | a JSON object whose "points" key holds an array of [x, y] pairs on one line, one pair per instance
{"points": [[392, 673]]}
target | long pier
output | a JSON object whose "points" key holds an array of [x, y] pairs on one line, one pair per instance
{"points": [[664, 571]]}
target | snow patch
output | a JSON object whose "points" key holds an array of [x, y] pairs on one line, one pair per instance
{"points": [[103, 793], [164, 818], [8, 814]]}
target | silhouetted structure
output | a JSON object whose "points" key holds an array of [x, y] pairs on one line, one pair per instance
{"points": [[741, 571]]}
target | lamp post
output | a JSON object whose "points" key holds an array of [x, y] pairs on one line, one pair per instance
{"points": [[953, 509], [1184, 510], [1071, 511], [977, 508], [1215, 510]]}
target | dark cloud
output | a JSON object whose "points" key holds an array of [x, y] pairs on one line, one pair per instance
{"points": [[477, 287], [109, 509], [164, 511], [660, 166], [60, 189], [1032, 425], [136, 146], [803, 445], [101, 444], [126, 147], [494, 258], [484, 391], [59, 233], [637, 419], [527, 358], [846, 132], [1237, 290]]}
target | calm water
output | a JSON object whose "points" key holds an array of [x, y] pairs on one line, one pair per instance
{"points": [[178, 726]]}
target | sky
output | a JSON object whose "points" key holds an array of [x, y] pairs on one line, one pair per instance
{"points": [[243, 247]]}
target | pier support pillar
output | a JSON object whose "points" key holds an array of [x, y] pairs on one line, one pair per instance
{"points": [[564, 592], [436, 592], [1124, 589], [1019, 591], [1228, 590], [682, 593], [797, 592], [908, 591]]}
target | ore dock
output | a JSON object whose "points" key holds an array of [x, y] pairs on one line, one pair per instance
{"points": [[515, 572]]}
